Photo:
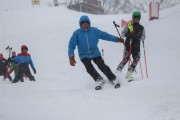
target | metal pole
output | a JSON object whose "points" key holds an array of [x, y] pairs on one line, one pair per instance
{"points": [[145, 60]]}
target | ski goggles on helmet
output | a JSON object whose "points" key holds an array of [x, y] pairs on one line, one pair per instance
{"points": [[13, 55], [136, 17]]}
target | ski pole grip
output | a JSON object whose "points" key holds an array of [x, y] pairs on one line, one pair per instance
{"points": [[115, 24]]}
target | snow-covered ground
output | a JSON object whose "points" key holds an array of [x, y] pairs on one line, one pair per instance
{"points": [[62, 92]]}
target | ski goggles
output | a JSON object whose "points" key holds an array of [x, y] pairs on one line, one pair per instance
{"points": [[136, 17], [13, 55], [24, 49]]}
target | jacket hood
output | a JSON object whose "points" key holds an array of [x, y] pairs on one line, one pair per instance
{"points": [[84, 18]]}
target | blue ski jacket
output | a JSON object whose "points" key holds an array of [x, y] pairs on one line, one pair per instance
{"points": [[87, 40], [24, 58]]}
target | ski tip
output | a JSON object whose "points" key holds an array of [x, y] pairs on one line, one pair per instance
{"points": [[117, 86], [98, 88], [130, 80]]}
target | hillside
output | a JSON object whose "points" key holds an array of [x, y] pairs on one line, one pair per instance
{"points": [[62, 92], [110, 6]]}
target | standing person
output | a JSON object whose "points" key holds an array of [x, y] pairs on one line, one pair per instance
{"points": [[86, 39], [4, 68], [13, 65], [134, 33], [23, 60]]}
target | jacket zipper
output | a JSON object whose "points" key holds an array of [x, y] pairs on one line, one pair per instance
{"points": [[88, 44]]}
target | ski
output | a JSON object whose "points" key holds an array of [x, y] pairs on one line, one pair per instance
{"points": [[117, 85], [98, 88], [99, 84], [130, 80]]}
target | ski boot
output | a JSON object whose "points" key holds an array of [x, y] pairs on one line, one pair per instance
{"points": [[115, 83], [99, 83], [129, 75]]}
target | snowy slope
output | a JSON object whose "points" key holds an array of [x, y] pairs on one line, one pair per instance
{"points": [[62, 92]]}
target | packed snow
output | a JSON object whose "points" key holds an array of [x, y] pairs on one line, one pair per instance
{"points": [[62, 92]]}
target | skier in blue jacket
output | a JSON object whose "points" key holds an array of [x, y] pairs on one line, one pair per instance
{"points": [[23, 60], [86, 39]]}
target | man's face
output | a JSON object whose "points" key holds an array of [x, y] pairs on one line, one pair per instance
{"points": [[85, 25], [13, 55], [136, 19], [24, 50]]}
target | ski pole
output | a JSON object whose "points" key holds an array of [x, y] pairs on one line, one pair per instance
{"points": [[141, 69], [129, 56], [116, 25], [9, 50], [145, 60], [102, 54]]}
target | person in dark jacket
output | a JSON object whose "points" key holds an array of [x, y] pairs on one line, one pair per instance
{"points": [[13, 65], [134, 33], [86, 39], [24, 60], [4, 68]]}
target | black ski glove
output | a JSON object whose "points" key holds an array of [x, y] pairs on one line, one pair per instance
{"points": [[34, 70]]}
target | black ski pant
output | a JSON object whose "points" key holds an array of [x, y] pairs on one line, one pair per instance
{"points": [[101, 65], [23, 68], [136, 57], [5, 74], [9, 77]]}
